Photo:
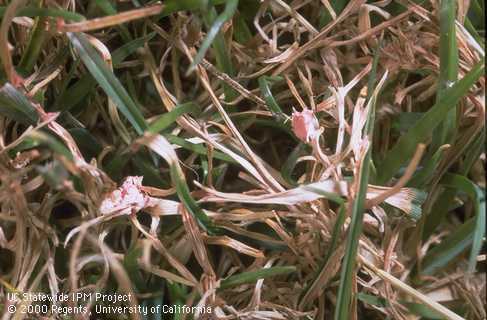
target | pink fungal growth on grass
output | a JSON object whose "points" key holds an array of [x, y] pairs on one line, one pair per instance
{"points": [[305, 125], [128, 196]]}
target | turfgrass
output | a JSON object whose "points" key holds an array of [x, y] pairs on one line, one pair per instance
{"points": [[371, 206]]}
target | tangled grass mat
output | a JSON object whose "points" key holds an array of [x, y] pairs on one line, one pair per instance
{"points": [[225, 159]]}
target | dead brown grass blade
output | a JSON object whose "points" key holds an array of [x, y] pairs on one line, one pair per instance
{"points": [[109, 21]]}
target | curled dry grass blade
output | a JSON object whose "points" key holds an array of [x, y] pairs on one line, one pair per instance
{"points": [[448, 314], [162, 147], [100, 23], [407, 199]]}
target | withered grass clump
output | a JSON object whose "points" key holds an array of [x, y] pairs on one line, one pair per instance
{"points": [[265, 159]]}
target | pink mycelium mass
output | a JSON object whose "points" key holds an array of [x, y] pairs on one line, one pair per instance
{"points": [[305, 125], [128, 196]]}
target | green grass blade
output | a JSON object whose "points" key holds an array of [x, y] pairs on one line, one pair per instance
{"points": [[449, 248], [355, 229], [335, 237], [473, 152], [151, 174], [448, 71], [265, 88], [120, 54], [476, 14], [185, 196], [253, 276], [15, 105], [131, 265], [473, 32], [406, 145], [344, 296], [162, 147], [438, 212], [422, 310], [37, 37], [228, 12], [221, 50], [419, 309], [338, 5], [446, 199], [33, 12], [448, 46], [43, 138], [372, 300], [423, 176], [471, 232], [290, 163], [164, 121], [172, 6], [107, 80], [75, 93], [107, 8], [89, 146], [477, 195], [327, 195], [197, 148], [241, 30]]}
